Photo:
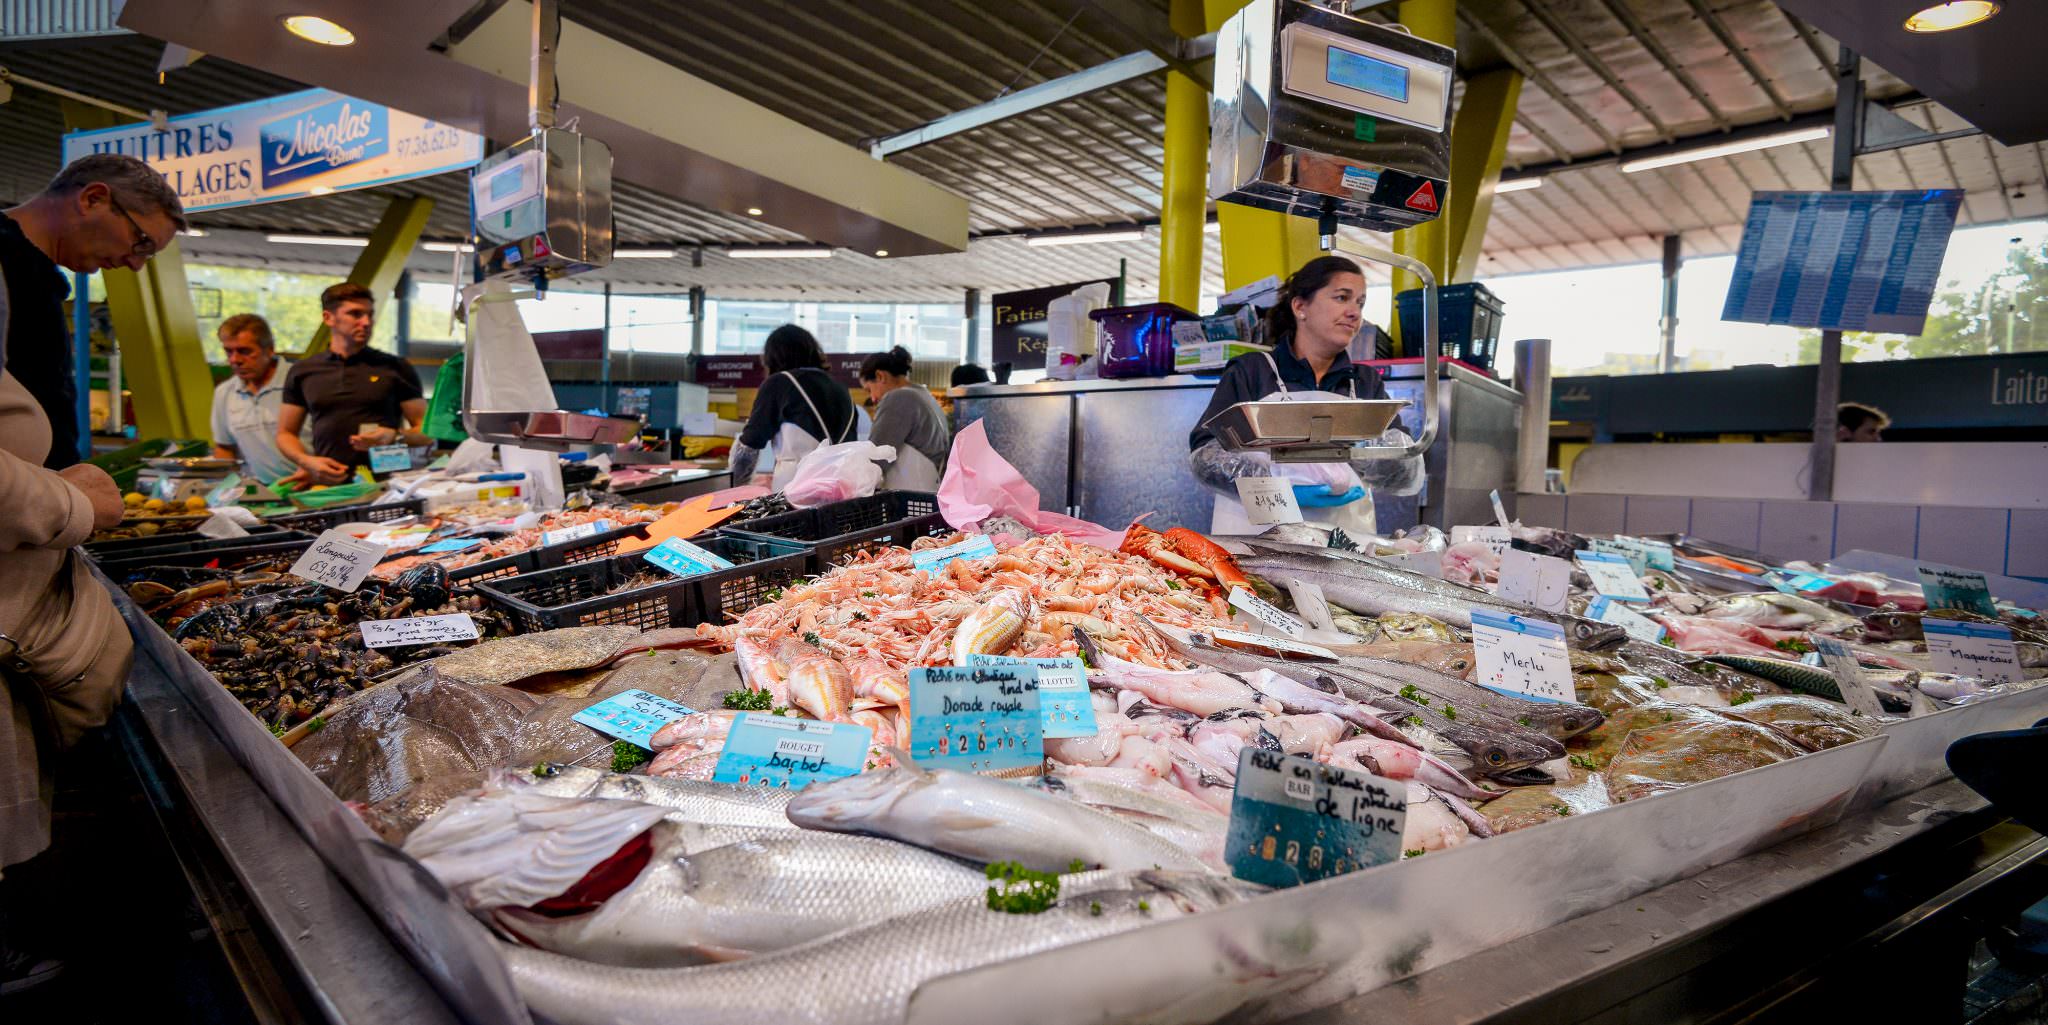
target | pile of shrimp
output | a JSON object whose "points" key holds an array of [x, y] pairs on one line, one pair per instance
{"points": [[517, 541]]}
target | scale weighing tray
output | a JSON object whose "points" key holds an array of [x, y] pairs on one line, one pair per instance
{"points": [[1305, 432]]}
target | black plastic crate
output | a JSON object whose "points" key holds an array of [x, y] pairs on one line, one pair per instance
{"points": [[837, 532], [580, 594], [233, 557], [1468, 320], [121, 548], [601, 545], [327, 519]]}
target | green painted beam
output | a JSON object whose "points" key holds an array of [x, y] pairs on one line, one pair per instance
{"points": [[162, 358], [1479, 141], [383, 260]]}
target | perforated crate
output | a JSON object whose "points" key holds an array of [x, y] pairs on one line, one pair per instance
{"points": [[836, 532], [602, 545], [581, 594], [327, 519], [184, 540], [230, 556]]}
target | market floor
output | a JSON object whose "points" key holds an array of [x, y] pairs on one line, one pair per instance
{"points": [[116, 908]]}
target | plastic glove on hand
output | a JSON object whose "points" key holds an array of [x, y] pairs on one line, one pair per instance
{"points": [[1318, 496]]}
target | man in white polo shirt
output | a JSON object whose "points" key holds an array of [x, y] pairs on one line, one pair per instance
{"points": [[245, 405]]}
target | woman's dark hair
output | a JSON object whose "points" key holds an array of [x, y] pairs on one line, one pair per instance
{"points": [[895, 361], [969, 373], [790, 347], [1303, 284]]}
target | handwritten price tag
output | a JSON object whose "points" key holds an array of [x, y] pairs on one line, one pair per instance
{"points": [[397, 633], [575, 533], [1537, 580], [1839, 660], [1496, 538], [1613, 577], [1268, 500], [684, 559], [1285, 647], [1634, 623], [631, 716], [338, 560], [1972, 649], [789, 754], [1522, 657], [977, 719], [1294, 821], [1063, 706], [1953, 589], [1266, 613]]}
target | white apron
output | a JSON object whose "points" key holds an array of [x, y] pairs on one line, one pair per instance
{"points": [[912, 471], [1356, 518], [793, 443]]}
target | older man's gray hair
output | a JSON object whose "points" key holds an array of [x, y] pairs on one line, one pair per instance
{"points": [[135, 184]]}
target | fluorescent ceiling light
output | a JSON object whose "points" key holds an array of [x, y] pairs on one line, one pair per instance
{"points": [[644, 254], [784, 253], [1944, 17], [1724, 149], [317, 30], [448, 247], [318, 240], [194, 233], [1083, 237], [1517, 185]]}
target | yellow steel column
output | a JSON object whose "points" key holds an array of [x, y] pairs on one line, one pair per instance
{"points": [[1184, 189], [1479, 140], [1436, 21], [1257, 243], [161, 354], [383, 260]]}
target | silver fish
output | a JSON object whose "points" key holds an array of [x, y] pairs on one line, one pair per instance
{"points": [[867, 976], [519, 847], [1779, 612], [1559, 720], [981, 819], [773, 892], [695, 800]]}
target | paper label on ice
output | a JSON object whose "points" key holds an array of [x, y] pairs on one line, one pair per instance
{"points": [[977, 719], [1957, 589], [1496, 538], [1500, 512], [931, 560], [1839, 660], [684, 559], [1294, 820], [632, 716], [1522, 657], [1064, 709], [789, 754], [338, 560], [1612, 576], [453, 544], [390, 458], [1634, 623], [1239, 638], [1265, 613], [1313, 605], [1532, 579], [1638, 560], [1268, 500], [575, 533], [394, 633], [1972, 649]]}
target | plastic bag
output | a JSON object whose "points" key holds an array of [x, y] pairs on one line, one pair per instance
{"points": [[1392, 476], [1219, 470], [981, 485], [835, 473]]}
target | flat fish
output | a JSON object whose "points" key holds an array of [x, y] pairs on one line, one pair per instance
{"points": [[511, 659]]}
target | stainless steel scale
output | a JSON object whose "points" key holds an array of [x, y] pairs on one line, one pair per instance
{"points": [[1319, 114], [175, 479]]}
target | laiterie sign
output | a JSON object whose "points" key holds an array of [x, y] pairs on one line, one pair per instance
{"points": [[302, 144], [1017, 331]]}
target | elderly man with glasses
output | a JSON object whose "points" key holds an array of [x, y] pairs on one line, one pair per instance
{"points": [[102, 211]]}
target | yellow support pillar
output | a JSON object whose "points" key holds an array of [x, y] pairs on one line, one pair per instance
{"points": [[383, 260], [1184, 189], [161, 354], [1479, 141], [1436, 21]]}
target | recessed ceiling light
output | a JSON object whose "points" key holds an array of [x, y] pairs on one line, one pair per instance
{"points": [[317, 30], [753, 211], [1945, 17], [448, 247], [1075, 238], [881, 252]]}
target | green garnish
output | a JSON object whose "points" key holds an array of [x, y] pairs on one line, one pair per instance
{"points": [[1416, 853], [277, 729], [867, 594], [1662, 683], [1524, 721], [1561, 809], [1408, 691], [1582, 762], [1076, 866], [1740, 699], [627, 756], [1019, 890], [1450, 713], [773, 594], [1667, 641], [1792, 644], [1175, 584], [1095, 908], [781, 710], [811, 638], [749, 700], [1667, 717], [1414, 720], [316, 724], [1145, 906], [1086, 662]]}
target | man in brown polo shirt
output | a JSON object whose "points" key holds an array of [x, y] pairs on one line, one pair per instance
{"points": [[359, 397]]}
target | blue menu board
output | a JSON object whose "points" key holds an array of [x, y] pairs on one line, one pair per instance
{"points": [[1842, 261]]}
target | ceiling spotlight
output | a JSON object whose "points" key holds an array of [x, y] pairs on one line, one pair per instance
{"points": [[318, 30], [881, 252], [194, 233], [753, 211], [1517, 185], [1946, 17]]}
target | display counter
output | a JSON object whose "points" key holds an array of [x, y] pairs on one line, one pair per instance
{"points": [[676, 486], [1111, 450]]}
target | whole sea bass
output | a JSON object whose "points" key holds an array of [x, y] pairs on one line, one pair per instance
{"points": [[694, 800]]}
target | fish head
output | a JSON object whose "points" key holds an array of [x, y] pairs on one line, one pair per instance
{"points": [[1506, 752], [1576, 719], [1591, 634], [848, 803]]}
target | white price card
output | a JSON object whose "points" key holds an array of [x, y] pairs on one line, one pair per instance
{"points": [[1533, 579], [1500, 512], [1840, 661], [222, 526], [1613, 577], [1634, 623], [1522, 656], [1311, 603], [338, 560], [1268, 500], [575, 533], [1497, 538], [1240, 639], [396, 633], [1428, 563], [1266, 613], [1980, 650]]}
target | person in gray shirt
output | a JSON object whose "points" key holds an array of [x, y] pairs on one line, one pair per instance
{"points": [[907, 419]]}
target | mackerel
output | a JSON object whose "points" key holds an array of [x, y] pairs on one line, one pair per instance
{"points": [[1559, 720]]}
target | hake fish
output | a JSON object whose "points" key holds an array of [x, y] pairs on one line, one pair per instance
{"points": [[980, 819], [1559, 720], [867, 976]]}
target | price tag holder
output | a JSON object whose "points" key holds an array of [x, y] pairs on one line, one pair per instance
{"points": [[1522, 657], [338, 560], [1634, 623], [1064, 709], [632, 716], [1613, 577], [1797, 583], [453, 544], [1532, 579], [1286, 648], [1638, 560], [1957, 589], [575, 533], [1266, 614], [397, 633], [1839, 660], [1312, 604], [684, 559], [931, 560], [1268, 500], [977, 719], [1496, 538], [1294, 820], [1500, 512], [1981, 650], [390, 458], [789, 754], [1429, 564]]}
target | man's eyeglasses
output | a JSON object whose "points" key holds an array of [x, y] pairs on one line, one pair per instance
{"points": [[146, 247]]}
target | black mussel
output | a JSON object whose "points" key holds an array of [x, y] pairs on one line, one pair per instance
{"points": [[427, 583]]}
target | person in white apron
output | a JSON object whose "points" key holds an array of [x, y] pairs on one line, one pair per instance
{"points": [[798, 408], [907, 419], [1310, 328]]}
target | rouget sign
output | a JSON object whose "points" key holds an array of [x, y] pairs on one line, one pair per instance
{"points": [[302, 144]]}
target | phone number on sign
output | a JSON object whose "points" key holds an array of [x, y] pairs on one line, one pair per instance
{"points": [[432, 140]]}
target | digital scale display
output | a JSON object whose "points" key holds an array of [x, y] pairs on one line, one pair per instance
{"points": [[1354, 70]]}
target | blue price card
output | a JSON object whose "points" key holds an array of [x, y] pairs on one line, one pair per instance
{"points": [[1657, 554], [1638, 560], [1797, 583], [390, 458], [1612, 576], [787, 753], [1957, 589], [684, 559], [1294, 820], [453, 544], [1063, 706], [977, 719], [575, 533], [1639, 626], [931, 560], [631, 716]]}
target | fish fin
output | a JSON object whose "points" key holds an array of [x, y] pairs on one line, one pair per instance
{"points": [[900, 756], [1342, 541]]}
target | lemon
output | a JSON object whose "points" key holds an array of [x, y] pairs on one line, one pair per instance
{"points": [[132, 499], [197, 503], [155, 505]]}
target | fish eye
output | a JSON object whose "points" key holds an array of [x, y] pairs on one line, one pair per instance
{"points": [[1496, 757]]}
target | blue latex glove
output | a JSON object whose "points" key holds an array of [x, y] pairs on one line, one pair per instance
{"points": [[1319, 496]]}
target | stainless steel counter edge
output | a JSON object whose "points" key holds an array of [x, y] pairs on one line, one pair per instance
{"points": [[1105, 385]]}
